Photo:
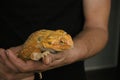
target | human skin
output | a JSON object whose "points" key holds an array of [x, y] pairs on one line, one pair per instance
{"points": [[95, 32], [10, 72]]}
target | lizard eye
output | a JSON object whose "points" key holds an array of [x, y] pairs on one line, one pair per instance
{"points": [[61, 42], [39, 38]]}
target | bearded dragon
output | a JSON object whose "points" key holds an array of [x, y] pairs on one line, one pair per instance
{"points": [[43, 42]]}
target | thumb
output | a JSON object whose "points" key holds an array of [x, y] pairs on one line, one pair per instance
{"points": [[47, 59]]}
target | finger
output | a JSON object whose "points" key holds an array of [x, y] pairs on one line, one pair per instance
{"points": [[1, 52], [57, 60], [14, 59], [29, 78], [24, 76], [24, 66], [47, 59], [7, 74], [16, 49], [52, 57], [6, 62], [53, 60], [4, 70]]}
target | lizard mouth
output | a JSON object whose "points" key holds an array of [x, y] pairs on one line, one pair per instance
{"points": [[50, 50]]}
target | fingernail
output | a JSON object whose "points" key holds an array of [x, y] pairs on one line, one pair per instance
{"points": [[7, 51]]}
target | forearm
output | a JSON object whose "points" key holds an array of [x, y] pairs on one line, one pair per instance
{"points": [[88, 43]]}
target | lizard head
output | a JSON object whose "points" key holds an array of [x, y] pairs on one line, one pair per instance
{"points": [[57, 40]]}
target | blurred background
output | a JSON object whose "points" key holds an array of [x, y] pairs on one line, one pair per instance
{"points": [[105, 65]]}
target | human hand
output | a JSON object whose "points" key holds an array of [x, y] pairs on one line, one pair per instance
{"points": [[48, 62], [59, 59], [9, 71]]}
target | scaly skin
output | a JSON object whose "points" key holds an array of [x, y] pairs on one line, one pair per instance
{"points": [[43, 42]]}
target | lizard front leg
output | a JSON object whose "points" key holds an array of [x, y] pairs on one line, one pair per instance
{"points": [[38, 56]]}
